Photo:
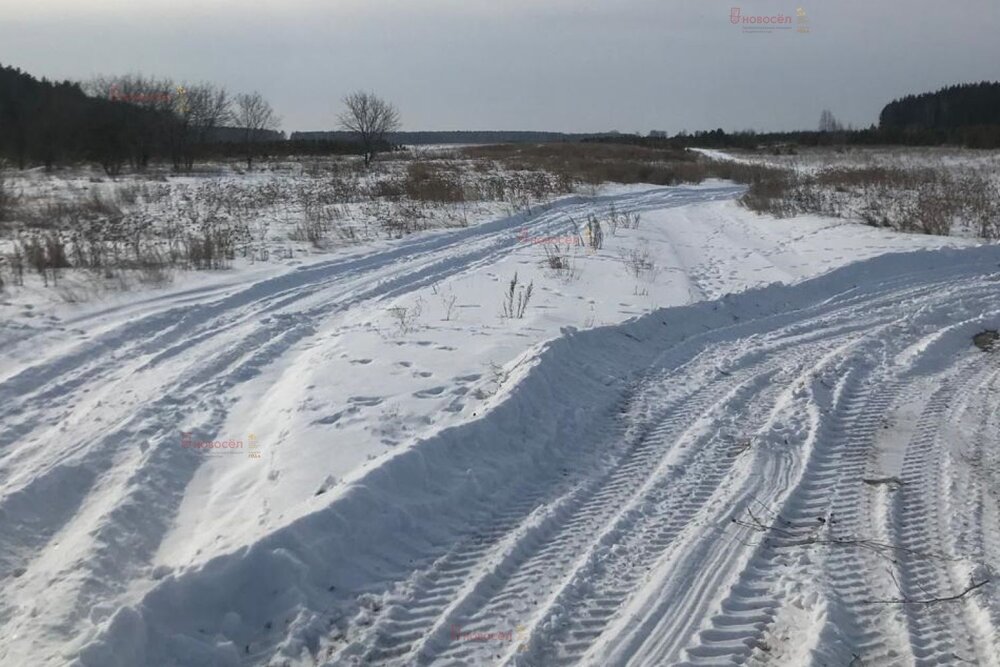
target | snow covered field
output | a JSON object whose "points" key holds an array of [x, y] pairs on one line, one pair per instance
{"points": [[945, 191], [812, 160], [682, 453]]}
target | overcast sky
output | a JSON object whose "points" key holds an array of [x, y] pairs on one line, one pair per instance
{"points": [[570, 65]]}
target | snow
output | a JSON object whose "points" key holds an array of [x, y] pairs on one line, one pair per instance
{"points": [[810, 160], [567, 479]]}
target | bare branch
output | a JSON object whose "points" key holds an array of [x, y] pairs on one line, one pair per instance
{"points": [[371, 118], [255, 117], [950, 598]]}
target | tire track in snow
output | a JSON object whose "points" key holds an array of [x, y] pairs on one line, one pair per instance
{"points": [[135, 453], [566, 519], [570, 521], [741, 625], [941, 633], [791, 328], [837, 462]]}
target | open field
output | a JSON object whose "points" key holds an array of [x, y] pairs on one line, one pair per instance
{"points": [[86, 236], [495, 409], [473, 334]]}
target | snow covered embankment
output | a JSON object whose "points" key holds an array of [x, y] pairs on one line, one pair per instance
{"points": [[589, 509]]}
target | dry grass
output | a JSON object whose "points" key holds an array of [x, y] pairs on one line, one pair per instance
{"points": [[919, 200], [8, 199], [986, 340], [436, 181], [593, 163]]}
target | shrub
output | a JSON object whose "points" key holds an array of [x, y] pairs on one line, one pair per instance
{"points": [[593, 233], [516, 298], [315, 226], [555, 258], [595, 163], [406, 318], [637, 262], [427, 181], [8, 200], [935, 211], [46, 254]]}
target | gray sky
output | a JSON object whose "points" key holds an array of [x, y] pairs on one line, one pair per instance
{"points": [[570, 65]]}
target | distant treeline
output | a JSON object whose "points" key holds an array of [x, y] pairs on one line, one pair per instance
{"points": [[965, 115], [288, 147], [981, 136], [483, 137], [133, 121], [48, 123], [952, 108]]}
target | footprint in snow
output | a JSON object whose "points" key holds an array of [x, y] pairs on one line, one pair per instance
{"points": [[334, 418], [368, 401]]}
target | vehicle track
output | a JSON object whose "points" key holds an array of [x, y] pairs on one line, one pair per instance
{"points": [[566, 586], [147, 373], [563, 581], [624, 552]]}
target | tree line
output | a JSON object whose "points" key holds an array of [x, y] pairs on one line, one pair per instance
{"points": [[132, 121], [963, 115], [950, 108]]}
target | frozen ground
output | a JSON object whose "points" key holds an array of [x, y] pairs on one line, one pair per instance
{"points": [[422, 481]]}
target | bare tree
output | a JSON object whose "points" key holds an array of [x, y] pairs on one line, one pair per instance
{"points": [[147, 98], [197, 109], [371, 118], [828, 123], [136, 89], [208, 107], [255, 117]]}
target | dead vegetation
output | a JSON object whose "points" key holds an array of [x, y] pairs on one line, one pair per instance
{"points": [[559, 260], [595, 163], [407, 317], [516, 299], [782, 534], [638, 262], [151, 226], [986, 340], [917, 200], [8, 199]]}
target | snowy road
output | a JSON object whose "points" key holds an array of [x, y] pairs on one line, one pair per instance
{"points": [[582, 513], [784, 409]]}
